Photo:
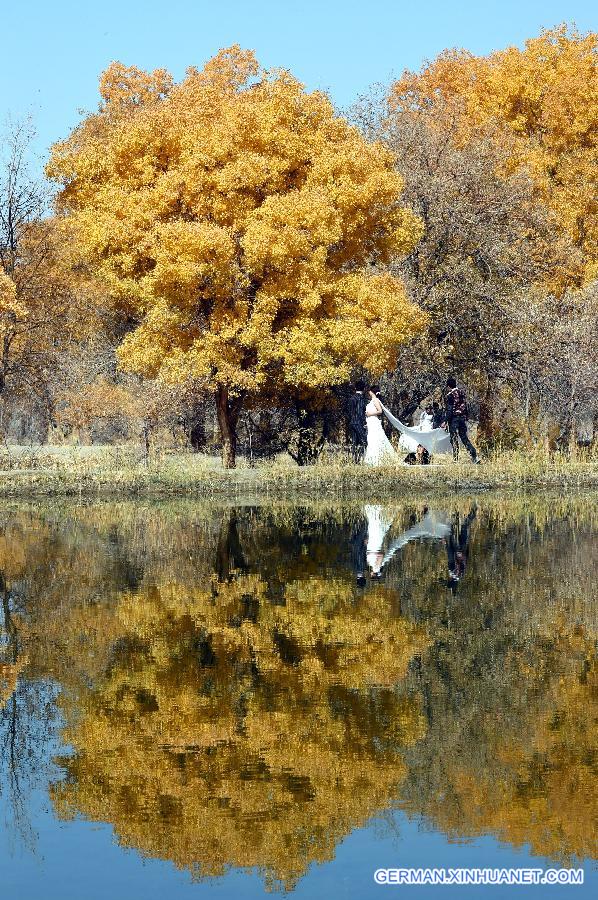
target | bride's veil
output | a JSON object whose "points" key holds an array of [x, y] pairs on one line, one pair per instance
{"points": [[435, 441]]}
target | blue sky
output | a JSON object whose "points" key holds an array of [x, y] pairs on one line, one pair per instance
{"points": [[54, 50]]}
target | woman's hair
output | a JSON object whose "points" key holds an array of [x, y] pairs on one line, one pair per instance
{"points": [[375, 389]]}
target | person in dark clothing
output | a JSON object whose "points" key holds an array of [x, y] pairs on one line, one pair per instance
{"points": [[457, 548], [418, 457], [422, 456], [456, 415], [357, 426], [358, 544]]}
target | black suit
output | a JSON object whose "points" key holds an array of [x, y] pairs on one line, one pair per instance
{"points": [[358, 544], [357, 428], [457, 545]]}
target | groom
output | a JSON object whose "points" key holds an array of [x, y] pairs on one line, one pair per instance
{"points": [[357, 426], [456, 419]]}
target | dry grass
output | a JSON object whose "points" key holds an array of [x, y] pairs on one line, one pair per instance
{"points": [[121, 471]]}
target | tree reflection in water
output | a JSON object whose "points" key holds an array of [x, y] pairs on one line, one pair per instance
{"points": [[235, 696]]}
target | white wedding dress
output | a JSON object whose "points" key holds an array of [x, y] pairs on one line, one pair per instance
{"points": [[434, 524], [379, 449]]}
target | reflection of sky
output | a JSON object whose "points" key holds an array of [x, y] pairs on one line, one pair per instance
{"points": [[29, 741], [80, 861]]}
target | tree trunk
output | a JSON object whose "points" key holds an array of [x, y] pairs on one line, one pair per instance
{"points": [[228, 410], [229, 552], [194, 425]]}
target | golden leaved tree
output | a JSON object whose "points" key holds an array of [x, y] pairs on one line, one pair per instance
{"points": [[240, 221], [545, 99], [140, 404], [228, 730]]}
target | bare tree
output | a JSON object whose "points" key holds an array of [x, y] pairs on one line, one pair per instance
{"points": [[560, 384], [53, 299], [487, 242], [23, 197]]}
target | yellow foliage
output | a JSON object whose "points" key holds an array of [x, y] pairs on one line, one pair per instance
{"points": [[239, 218], [536, 785], [185, 757], [9, 305], [46, 306], [545, 98], [100, 399], [9, 673], [232, 699]]}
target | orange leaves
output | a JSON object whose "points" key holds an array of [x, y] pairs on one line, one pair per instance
{"points": [[192, 259], [145, 349], [101, 399], [323, 766], [46, 306], [9, 305], [9, 673], [287, 230], [378, 303], [228, 71], [545, 97], [224, 210], [127, 86]]}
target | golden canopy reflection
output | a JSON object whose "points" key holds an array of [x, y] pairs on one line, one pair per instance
{"points": [[228, 731], [233, 697]]}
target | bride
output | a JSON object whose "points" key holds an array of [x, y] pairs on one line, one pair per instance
{"points": [[379, 449]]}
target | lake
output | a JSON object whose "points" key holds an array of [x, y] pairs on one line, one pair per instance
{"points": [[215, 701]]}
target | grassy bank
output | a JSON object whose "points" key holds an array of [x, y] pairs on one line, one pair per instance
{"points": [[121, 472]]}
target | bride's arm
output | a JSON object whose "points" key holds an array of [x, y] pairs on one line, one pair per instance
{"points": [[378, 408], [377, 411]]}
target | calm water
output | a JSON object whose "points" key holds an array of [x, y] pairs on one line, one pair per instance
{"points": [[199, 701]]}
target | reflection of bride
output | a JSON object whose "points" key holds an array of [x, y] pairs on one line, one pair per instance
{"points": [[434, 525], [379, 521], [379, 449]]}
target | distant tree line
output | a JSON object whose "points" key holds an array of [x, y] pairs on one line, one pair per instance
{"points": [[223, 255]]}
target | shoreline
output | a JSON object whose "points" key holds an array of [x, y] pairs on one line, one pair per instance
{"points": [[112, 473]]}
